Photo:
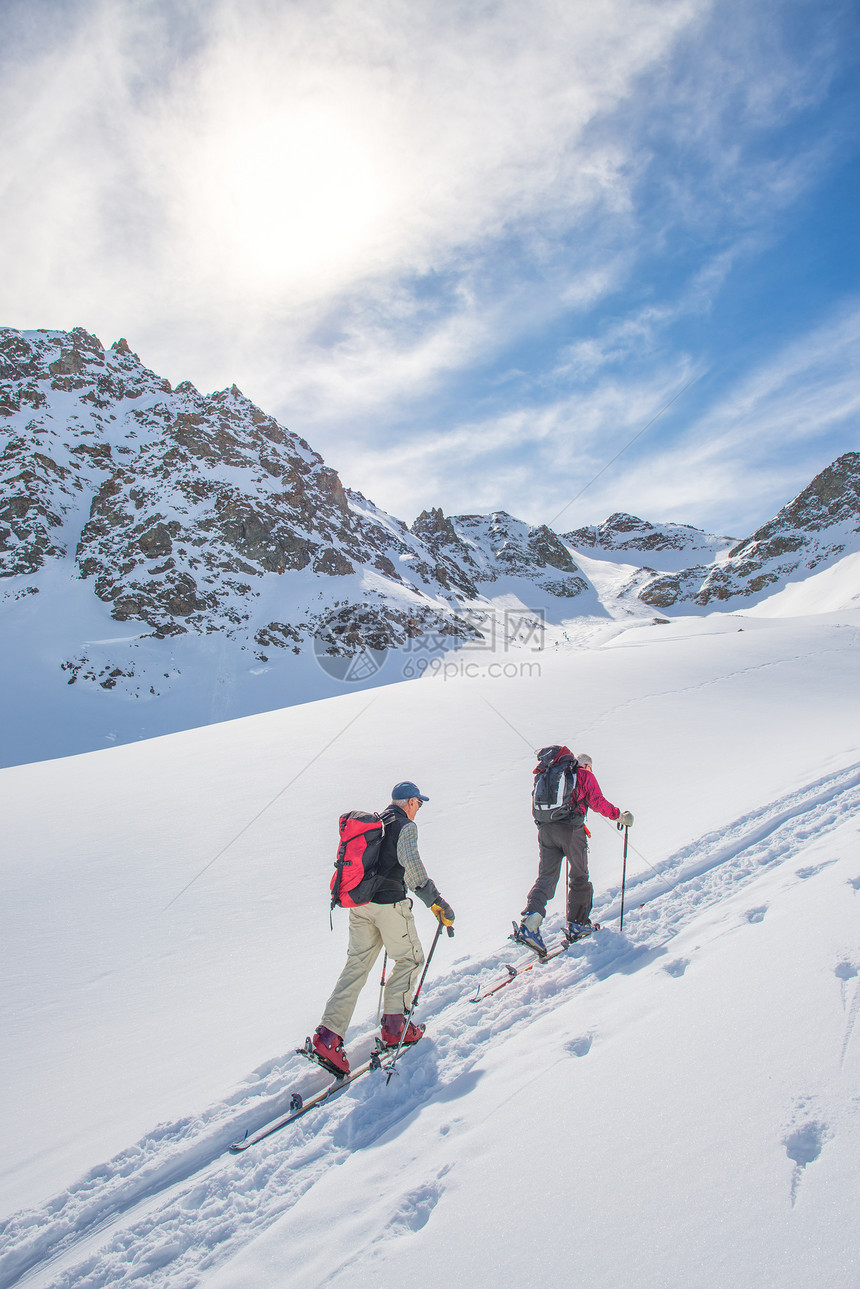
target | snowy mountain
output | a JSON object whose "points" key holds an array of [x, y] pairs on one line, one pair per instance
{"points": [[138, 521], [818, 528], [672, 1104], [169, 559], [174, 507], [497, 546], [668, 547]]}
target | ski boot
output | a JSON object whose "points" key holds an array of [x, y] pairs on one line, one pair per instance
{"points": [[392, 1028], [528, 933], [328, 1050], [574, 931]]}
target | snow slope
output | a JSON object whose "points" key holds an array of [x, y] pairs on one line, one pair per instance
{"points": [[671, 1105], [834, 588]]}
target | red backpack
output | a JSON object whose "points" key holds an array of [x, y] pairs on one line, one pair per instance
{"points": [[356, 869]]}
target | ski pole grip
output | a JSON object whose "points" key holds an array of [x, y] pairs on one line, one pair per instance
{"points": [[450, 931]]}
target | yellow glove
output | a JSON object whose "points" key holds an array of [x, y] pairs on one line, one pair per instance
{"points": [[443, 911]]}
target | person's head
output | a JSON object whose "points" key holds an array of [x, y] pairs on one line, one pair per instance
{"points": [[407, 797], [584, 759]]}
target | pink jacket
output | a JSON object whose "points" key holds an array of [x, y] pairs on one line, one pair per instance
{"points": [[588, 794]]}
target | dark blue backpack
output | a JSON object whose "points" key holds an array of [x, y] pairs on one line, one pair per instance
{"points": [[554, 788]]}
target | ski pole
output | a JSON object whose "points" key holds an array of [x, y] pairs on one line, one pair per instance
{"points": [[623, 878], [566, 890], [415, 999], [381, 985]]}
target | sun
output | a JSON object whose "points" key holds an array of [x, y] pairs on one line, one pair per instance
{"points": [[296, 202]]}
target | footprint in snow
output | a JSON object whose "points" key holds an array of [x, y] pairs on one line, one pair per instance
{"points": [[579, 1046], [813, 869], [677, 968], [855, 882], [845, 971], [415, 1210], [803, 1146], [756, 915]]}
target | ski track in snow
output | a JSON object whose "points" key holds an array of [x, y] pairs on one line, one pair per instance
{"points": [[176, 1205]]}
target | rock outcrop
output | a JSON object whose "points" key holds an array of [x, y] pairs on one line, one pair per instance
{"points": [[191, 513], [627, 534], [814, 530], [182, 516]]}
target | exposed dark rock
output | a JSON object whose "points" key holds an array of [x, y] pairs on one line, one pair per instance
{"points": [[668, 589], [623, 532], [435, 528], [332, 562], [811, 531], [550, 552], [155, 542]]}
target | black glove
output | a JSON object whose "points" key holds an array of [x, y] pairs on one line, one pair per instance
{"points": [[443, 911], [428, 893]]}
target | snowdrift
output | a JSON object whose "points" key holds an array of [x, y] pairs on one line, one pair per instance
{"points": [[674, 1105]]}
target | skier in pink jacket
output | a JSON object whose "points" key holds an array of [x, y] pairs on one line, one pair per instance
{"points": [[565, 835]]}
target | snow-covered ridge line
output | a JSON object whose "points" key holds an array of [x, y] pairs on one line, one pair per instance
{"points": [[235, 556], [819, 527], [134, 1208], [189, 516]]}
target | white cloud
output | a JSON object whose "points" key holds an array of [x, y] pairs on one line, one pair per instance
{"points": [[761, 441], [301, 153], [348, 208], [543, 455], [796, 397], [729, 468]]}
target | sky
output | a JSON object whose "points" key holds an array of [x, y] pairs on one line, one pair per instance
{"points": [[557, 259]]}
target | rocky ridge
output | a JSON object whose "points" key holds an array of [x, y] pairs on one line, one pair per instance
{"points": [[627, 534], [489, 547], [191, 513], [820, 526], [181, 516]]}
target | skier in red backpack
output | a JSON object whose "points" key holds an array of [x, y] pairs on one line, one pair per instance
{"points": [[386, 921], [564, 790]]}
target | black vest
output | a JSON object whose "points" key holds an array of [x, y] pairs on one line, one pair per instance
{"points": [[392, 879]]}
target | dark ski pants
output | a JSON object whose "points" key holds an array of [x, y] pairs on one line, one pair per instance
{"points": [[555, 842]]}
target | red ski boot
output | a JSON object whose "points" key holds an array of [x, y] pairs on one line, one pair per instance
{"points": [[392, 1028], [329, 1049]]}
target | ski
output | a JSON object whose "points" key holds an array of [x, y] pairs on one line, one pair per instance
{"points": [[513, 973], [299, 1106]]}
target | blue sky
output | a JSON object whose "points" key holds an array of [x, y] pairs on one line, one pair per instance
{"points": [[467, 250]]}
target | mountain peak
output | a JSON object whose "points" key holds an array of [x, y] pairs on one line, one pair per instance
{"points": [[833, 497], [820, 526], [182, 516]]}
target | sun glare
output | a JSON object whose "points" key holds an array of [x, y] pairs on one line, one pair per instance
{"points": [[297, 201]]}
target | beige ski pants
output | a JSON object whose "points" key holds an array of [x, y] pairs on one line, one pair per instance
{"points": [[371, 927]]}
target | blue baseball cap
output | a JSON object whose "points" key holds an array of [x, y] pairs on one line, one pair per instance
{"points": [[403, 791]]}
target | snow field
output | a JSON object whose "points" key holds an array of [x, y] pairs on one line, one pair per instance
{"points": [[680, 1098]]}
